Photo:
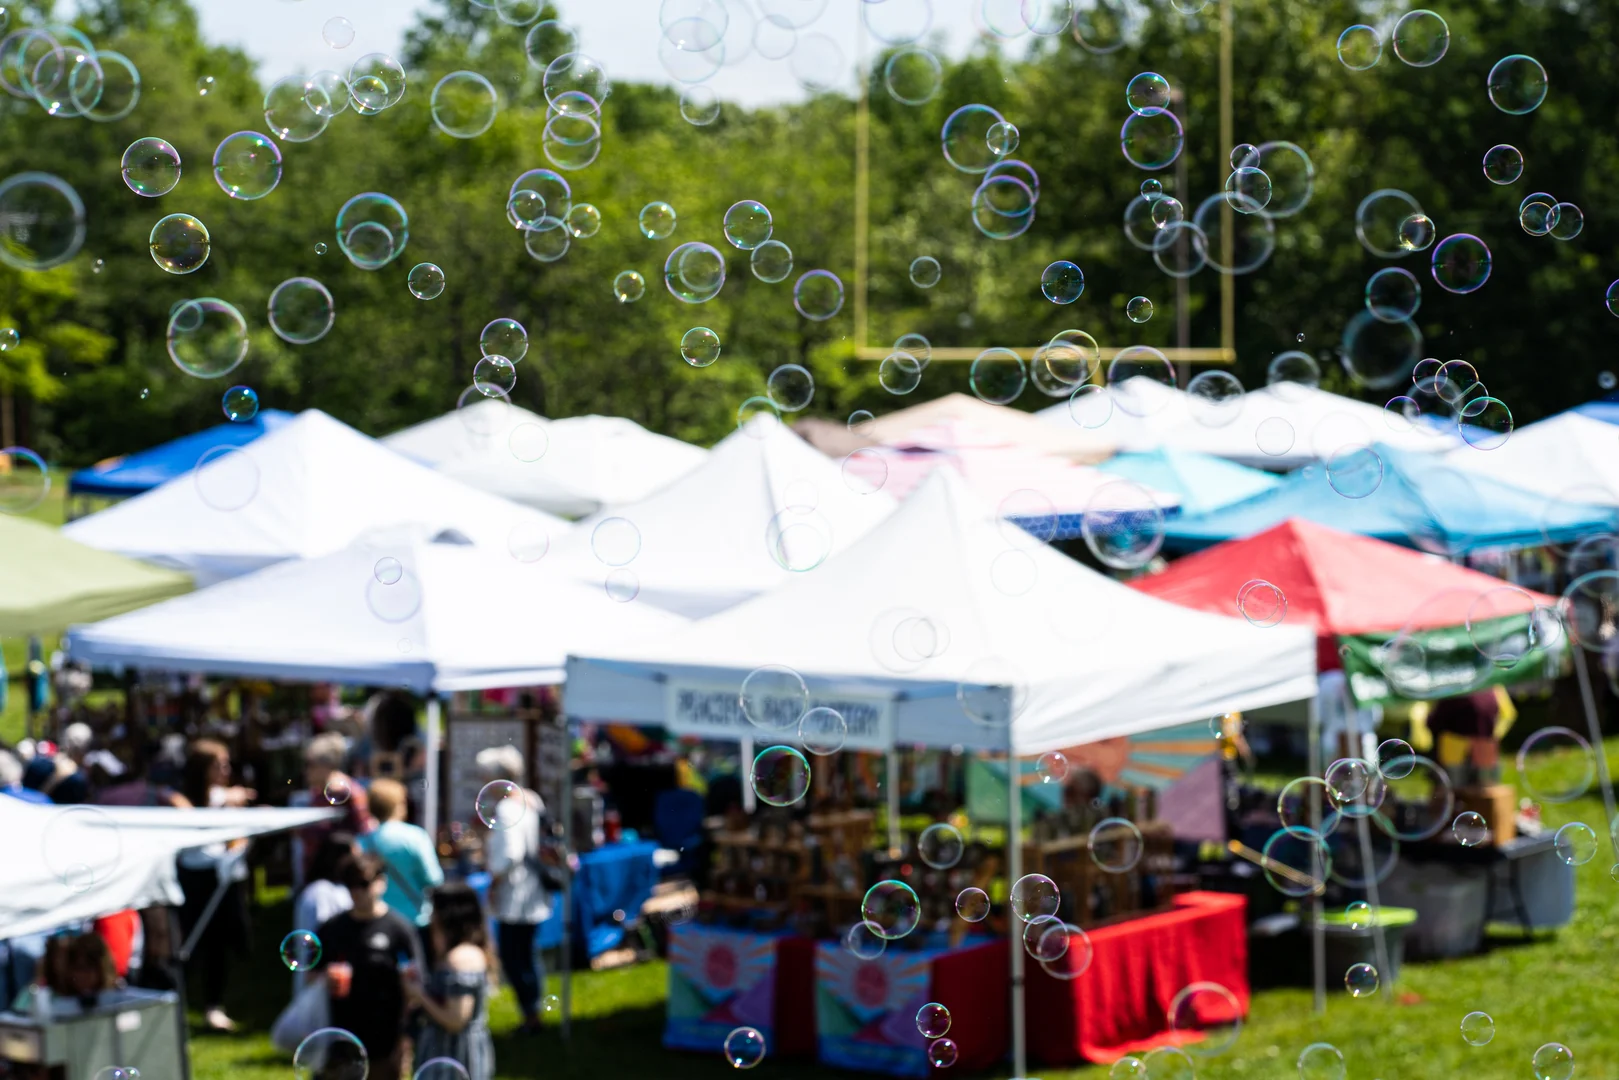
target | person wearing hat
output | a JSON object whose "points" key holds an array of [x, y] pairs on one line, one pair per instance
{"points": [[517, 896]]}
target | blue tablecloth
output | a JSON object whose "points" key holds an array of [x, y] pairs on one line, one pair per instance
{"points": [[618, 877]]}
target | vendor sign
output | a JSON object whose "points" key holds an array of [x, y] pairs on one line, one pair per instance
{"points": [[713, 710]]}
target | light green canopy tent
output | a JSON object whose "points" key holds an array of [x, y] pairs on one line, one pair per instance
{"points": [[48, 582]]}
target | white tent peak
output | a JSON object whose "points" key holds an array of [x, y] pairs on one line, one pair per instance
{"points": [[571, 466], [306, 489], [1568, 456], [707, 540], [400, 607], [941, 595]]}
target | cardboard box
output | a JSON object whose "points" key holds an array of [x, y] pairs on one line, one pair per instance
{"points": [[1497, 803]]}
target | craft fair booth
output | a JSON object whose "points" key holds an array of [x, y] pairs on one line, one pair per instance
{"points": [[1010, 675]]}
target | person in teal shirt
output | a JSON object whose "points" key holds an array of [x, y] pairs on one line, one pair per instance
{"points": [[406, 851]]}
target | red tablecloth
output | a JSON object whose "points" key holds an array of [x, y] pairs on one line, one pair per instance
{"points": [[795, 996], [1120, 1006], [975, 984]]}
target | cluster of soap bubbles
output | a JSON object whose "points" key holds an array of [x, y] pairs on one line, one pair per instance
{"points": [[60, 70]]}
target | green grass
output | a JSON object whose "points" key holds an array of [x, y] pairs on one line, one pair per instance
{"points": [[1553, 988]]}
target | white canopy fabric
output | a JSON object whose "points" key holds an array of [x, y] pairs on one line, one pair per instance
{"points": [[1144, 415], [398, 608], [572, 467], [69, 863], [763, 508], [1569, 457], [307, 489], [942, 611]]}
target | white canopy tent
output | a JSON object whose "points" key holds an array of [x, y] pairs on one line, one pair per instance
{"points": [[398, 608], [572, 467], [307, 489], [69, 863], [763, 508], [1314, 424], [1570, 457], [944, 626]]}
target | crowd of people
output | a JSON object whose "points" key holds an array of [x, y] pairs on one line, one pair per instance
{"points": [[405, 960]]}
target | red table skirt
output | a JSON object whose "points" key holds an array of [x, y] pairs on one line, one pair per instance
{"points": [[1120, 1006], [795, 996]]}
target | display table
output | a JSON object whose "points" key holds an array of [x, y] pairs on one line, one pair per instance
{"points": [[1120, 1006], [722, 979], [865, 1010], [614, 878]]}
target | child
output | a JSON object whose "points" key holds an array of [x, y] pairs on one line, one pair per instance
{"points": [[363, 952], [455, 999]]}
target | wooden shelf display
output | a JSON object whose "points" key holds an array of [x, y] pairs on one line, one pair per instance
{"points": [[1096, 893], [810, 866]]}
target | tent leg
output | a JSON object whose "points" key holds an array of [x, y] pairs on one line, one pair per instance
{"points": [[1014, 943], [430, 802], [892, 783], [183, 957], [1385, 976], [1318, 930], [745, 752], [1588, 699], [567, 897], [180, 1020]]}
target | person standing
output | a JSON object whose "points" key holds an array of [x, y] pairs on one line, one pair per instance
{"points": [[517, 894], [365, 953], [406, 852], [203, 870], [329, 785], [455, 996]]}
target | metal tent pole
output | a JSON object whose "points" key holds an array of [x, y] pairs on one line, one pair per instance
{"points": [[1588, 699], [431, 743], [1318, 931], [567, 887], [1014, 943], [892, 783]]}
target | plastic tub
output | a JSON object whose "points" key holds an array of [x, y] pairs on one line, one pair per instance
{"points": [[1449, 902], [1347, 946]]}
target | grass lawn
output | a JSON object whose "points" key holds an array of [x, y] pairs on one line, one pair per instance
{"points": [[1555, 988]]}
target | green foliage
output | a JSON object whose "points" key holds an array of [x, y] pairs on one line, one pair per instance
{"points": [[391, 359]]}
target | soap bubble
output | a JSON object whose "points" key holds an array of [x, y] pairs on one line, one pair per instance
{"points": [[241, 403], [1554, 1061], [464, 104], [657, 220], [1576, 843], [891, 909], [372, 230], [748, 224], [547, 40], [226, 478], [338, 32], [694, 273], [1416, 233], [925, 272], [771, 262], [1421, 38], [1123, 526], [1149, 90], [1360, 47], [822, 731], [744, 1047], [1151, 139], [1478, 1028], [862, 942], [298, 109], [1392, 294], [1321, 1061], [791, 387], [1261, 603], [504, 337], [1361, 980], [151, 167], [1002, 138], [1062, 282], [426, 281], [1461, 263], [442, 1068], [1517, 84], [818, 295], [1248, 190], [997, 376], [912, 74], [773, 697], [1052, 766], [207, 337], [301, 311], [699, 105], [972, 904], [1503, 164], [1556, 765], [300, 950], [376, 82], [964, 137], [583, 221], [1034, 896], [82, 846], [1210, 1011], [501, 804], [247, 165], [1138, 309], [1470, 828], [629, 286], [700, 346], [941, 846], [1358, 915], [331, 1054], [899, 373], [942, 1053], [180, 244], [494, 376], [933, 1020], [780, 776], [1116, 845]]}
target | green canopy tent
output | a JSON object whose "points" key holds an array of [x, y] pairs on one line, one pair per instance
{"points": [[48, 582]]}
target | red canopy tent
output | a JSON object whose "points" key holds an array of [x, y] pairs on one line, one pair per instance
{"points": [[1341, 584]]}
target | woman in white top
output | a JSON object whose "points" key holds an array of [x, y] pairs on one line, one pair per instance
{"points": [[323, 897], [517, 896]]}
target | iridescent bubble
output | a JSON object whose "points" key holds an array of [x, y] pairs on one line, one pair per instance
{"points": [[1461, 263], [964, 137], [1538, 213], [1517, 84], [1361, 980], [1034, 896], [42, 221], [388, 570], [247, 165], [997, 376], [818, 295], [207, 337], [771, 262], [552, 188], [1252, 235], [426, 281], [925, 271], [1131, 375], [1116, 845], [942, 1053], [301, 311], [1214, 398], [1576, 843], [517, 13], [463, 104], [151, 167], [1002, 138], [1416, 233], [205, 85], [1485, 423], [699, 105], [1554, 1061], [1470, 828], [972, 904], [1003, 207], [912, 74], [546, 40], [1392, 294], [748, 224], [372, 230], [25, 480], [1421, 38], [298, 109], [940, 845], [823, 731], [494, 376], [9, 338], [791, 387], [504, 337], [1062, 282], [1321, 1061], [780, 776], [1138, 309], [1360, 47], [331, 1054], [1570, 222], [1212, 1012], [300, 950], [326, 94], [1261, 603], [337, 32], [583, 221], [1123, 525], [1610, 299], [501, 805], [628, 286], [1149, 90], [891, 909], [1248, 190], [376, 82], [1151, 139], [899, 372], [694, 272], [657, 220], [1378, 219], [1478, 1028], [933, 1020], [179, 244], [1358, 915], [859, 941], [1395, 759], [1503, 164], [1274, 436], [744, 1048], [700, 346], [616, 541]]}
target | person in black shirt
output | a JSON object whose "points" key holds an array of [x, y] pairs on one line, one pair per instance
{"points": [[364, 952]]}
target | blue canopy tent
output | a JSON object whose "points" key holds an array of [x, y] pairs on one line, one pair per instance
{"points": [[1605, 409], [1419, 501], [132, 474], [1203, 481]]}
